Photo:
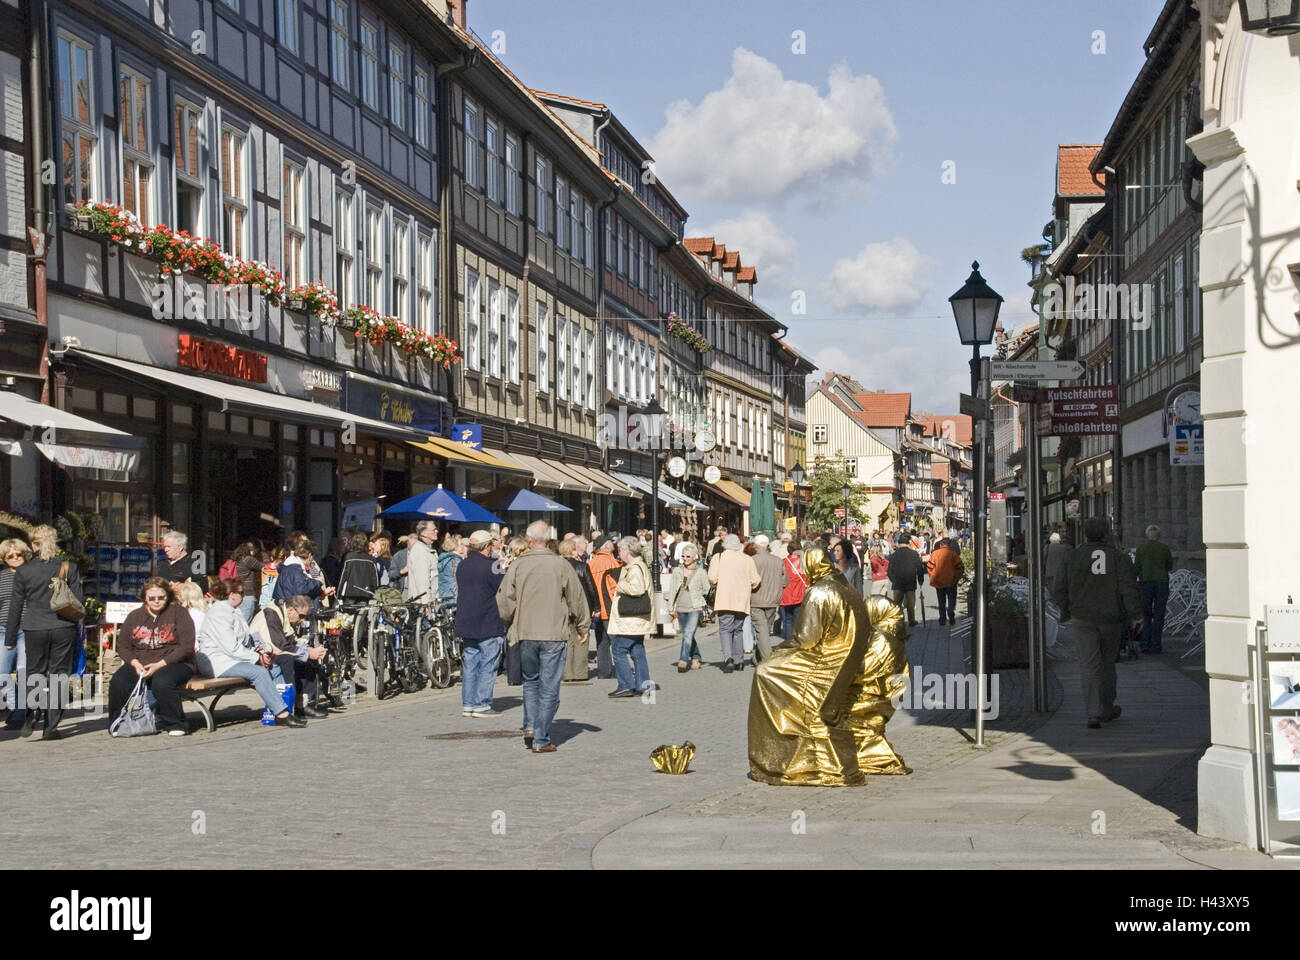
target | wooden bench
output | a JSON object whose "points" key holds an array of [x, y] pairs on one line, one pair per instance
{"points": [[216, 688]]}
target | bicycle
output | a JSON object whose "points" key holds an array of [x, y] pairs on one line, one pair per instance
{"points": [[395, 654], [439, 645]]}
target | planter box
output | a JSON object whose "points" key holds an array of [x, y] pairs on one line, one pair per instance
{"points": [[1008, 643]]}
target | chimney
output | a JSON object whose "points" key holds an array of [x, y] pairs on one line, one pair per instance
{"points": [[458, 12]]}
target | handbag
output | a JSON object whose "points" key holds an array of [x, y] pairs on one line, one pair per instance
{"points": [[62, 600], [228, 571], [514, 665], [634, 606], [137, 717]]}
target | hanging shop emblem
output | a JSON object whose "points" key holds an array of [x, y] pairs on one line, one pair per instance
{"points": [[212, 357]]}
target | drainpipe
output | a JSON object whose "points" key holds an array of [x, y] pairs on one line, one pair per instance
{"points": [[1112, 190], [446, 215]]}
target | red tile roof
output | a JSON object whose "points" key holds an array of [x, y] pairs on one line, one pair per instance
{"points": [[882, 409], [732, 260], [1072, 176], [746, 275], [935, 425], [719, 251], [561, 96], [700, 245]]}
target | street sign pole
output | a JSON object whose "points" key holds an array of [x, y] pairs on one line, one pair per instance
{"points": [[1034, 541]]}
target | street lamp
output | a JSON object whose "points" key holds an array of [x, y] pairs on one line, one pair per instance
{"points": [[975, 308], [1277, 18], [845, 490], [797, 478]]}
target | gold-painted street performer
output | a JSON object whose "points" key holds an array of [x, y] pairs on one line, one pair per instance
{"points": [[819, 704]]}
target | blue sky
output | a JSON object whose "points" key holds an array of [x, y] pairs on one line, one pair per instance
{"points": [[827, 165]]}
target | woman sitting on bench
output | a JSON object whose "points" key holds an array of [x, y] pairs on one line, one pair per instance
{"points": [[155, 641], [228, 649]]}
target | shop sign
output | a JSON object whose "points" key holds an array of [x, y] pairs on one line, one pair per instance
{"points": [[323, 386], [1187, 445], [212, 357], [393, 405], [1079, 411], [470, 434]]}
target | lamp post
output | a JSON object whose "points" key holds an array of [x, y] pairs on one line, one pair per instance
{"points": [[975, 308], [845, 491], [1276, 18], [656, 412], [797, 478]]}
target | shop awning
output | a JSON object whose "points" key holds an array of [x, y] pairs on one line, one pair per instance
{"points": [[730, 490], [466, 456], [602, 481], [249, 401], [548, 474], [667, 495], [65, 438]]}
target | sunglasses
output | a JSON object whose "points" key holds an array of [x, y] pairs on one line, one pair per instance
{"points": [[10, 556], [156, 598]]}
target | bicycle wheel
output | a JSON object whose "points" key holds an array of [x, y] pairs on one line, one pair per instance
{"points": [[379, 663], [439, 660]]}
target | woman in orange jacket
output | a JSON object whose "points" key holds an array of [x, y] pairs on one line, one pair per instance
{"points": [[945, 569]]}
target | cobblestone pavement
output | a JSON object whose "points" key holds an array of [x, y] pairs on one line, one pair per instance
{"points": [[410, 783]]}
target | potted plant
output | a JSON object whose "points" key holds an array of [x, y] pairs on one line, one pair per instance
{"points": [[687, 334], [1007, 606]]}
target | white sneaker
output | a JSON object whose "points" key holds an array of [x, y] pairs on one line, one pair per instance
{"points": [[176, 733], [467, 713], [482, 713]]}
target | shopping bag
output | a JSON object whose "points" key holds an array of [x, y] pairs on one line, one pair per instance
{"points": [[514, 665], [137, 717]]}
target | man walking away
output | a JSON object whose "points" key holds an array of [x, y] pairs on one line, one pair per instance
{"points": [[1054, 560], [906, 572], [479, 625], [945, 569], [604, 574], [1096, 589], [767, 598], [734, 575], [1154, 561], [545, 585]]}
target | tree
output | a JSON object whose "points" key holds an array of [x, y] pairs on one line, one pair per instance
{"points": [[829, 474]]}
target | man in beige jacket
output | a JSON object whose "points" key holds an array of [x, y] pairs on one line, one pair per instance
{"points": [[544, 584], [736, 578]]}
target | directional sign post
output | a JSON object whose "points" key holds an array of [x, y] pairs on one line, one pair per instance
{"points": [[1037, 369]]}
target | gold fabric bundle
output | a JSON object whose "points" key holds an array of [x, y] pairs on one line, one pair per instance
{"points": [[673, 759], [819, 704]]}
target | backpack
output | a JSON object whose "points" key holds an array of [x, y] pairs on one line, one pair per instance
{"points": [[228, 571]]}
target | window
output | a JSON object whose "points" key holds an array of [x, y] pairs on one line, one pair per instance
{"points": [[189, 171], [643, 272], [345, 247], [561, 352], [397, 86], [576, 342], [399, 259], [471, 320], [375, 257], [611, 382], [588, 235], [136, 120], [512, 175], [369, 65], [289, 25], [575, 223], [421, 107], [1196, 287], [426, 316], [494, 325], [622, 247], [339, 46], [819, 433], [589, 365], [727, 421], [234, 193], [542, 174], [76, 113], [561, 213], [512, 336], [473, 175], [492, 143], [543, 353], [652, 369], [609, 240], [293, 206], [622, 365], [1180, 316]]}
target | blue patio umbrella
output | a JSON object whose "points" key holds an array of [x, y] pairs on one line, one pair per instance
{"points": [[439, 504], [509, 499]]}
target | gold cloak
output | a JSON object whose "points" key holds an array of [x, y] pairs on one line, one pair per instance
{"points": [[819, 705]]}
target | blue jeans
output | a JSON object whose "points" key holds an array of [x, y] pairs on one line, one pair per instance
{"points": [[788, 616], [630, 664], [689, 622], [246, 608], [1155, 598], [260, 678], [12, 661], [542, 663], [478, 672]]}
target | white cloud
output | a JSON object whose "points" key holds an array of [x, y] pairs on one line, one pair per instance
{"points": [[760, 240], [934, 377], [883, 276], [763, 136]]}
